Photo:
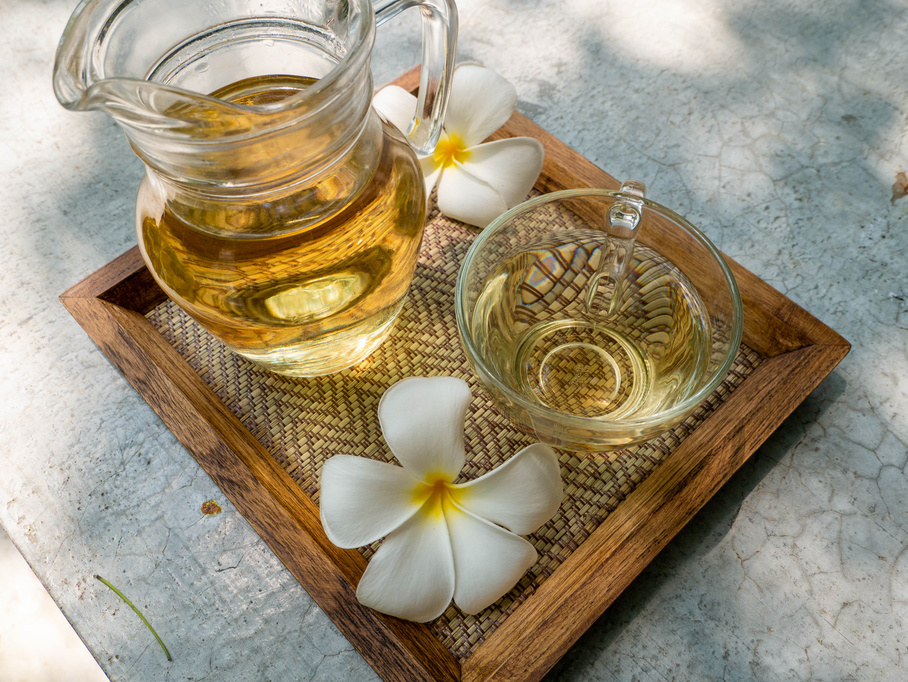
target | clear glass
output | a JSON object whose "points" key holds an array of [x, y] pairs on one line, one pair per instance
{"points": [[277, 208], [591, 328]]}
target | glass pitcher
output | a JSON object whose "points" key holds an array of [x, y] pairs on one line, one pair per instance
{"points": [[278, 209]]}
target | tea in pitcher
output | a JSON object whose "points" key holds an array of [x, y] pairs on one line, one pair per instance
{"points": [[279, 278]]}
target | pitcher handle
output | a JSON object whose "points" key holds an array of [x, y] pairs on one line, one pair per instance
{"points": [[439, 41]]}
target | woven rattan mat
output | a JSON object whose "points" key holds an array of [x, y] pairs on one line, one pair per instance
{"points": [[302, 422]]}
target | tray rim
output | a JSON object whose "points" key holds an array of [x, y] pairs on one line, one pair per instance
{"points": [[798, 352]]}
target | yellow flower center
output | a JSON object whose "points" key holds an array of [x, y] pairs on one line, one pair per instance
{"points": [[432, 495], [450, 150]]}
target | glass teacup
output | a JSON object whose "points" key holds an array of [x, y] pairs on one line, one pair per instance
{"points": [[597, 319]]}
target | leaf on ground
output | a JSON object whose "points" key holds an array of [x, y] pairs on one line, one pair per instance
{"points": [[210, 508], [900, 186]]}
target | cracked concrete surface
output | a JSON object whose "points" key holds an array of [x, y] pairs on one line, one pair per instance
{"points": [[777, 126]]}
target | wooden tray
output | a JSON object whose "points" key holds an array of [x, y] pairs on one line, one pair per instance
{"points": [[795, 352]]}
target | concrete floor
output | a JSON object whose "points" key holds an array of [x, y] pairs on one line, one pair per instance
{"points": [[37, 643], [777, 126]]}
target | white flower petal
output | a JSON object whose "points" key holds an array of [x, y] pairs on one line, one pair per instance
{"points": [[481, 102], [412, 574], [396, 105], [488, 560], [431, 171], [509, 166], [521, 495], [422, 421], [466, 198], [362, 500]]}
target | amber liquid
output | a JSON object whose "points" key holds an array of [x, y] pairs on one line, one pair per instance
{"points": [[647, 356], [307, 279]]}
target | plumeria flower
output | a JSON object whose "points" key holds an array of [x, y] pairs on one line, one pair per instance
{"points": [[476, 182], [443, 540]]}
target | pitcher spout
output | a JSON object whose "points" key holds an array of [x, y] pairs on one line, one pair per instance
{"points": [[100, 65], [72, 77], [174, 75], [134, 58]]}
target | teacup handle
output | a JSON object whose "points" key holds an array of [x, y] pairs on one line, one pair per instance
{"points": [[439, 41]]}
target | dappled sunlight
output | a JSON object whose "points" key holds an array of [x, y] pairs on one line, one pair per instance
{"points": [[37, 644], [683, 35]]}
